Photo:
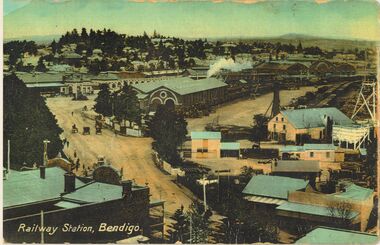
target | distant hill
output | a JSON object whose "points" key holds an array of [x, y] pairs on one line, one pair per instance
{"points": [[38, 39]]}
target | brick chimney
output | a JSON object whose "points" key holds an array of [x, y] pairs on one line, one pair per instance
{"points": [[42, 172], [69, 182], [127, 188]]}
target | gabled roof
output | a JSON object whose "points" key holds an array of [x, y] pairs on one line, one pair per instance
{"points": [[273, 186], [205, 135], [315, 117], [23, 187], [296, 166], [182, 85], [328, 235]]}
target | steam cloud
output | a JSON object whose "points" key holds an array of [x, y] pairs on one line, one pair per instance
{"points": [[228, 64]]}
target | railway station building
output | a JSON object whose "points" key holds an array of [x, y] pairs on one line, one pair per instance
{"points": [[180, 92]]}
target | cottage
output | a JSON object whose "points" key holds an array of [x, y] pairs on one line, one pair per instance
{"points": [[318, 152], [208, 145], [302, 125]]}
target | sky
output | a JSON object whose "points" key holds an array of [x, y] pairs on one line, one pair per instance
{"points": [[351, 19]]}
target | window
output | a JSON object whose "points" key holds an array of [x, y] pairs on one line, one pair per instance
{"points": [[282, 119], [311, 154], [284, 127], [328, 154], [276, 119], [274, 126], [202, 150]]}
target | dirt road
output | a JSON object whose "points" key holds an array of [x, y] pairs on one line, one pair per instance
{"points": [[133, 154], [241, 113]]}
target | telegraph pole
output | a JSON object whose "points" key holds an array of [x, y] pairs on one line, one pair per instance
{"points": [[42, 226], [9, 158], [46, 142]]}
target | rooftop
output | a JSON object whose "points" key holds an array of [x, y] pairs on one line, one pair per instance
{"points": [[354, 192], [40, 77], [327, 235], [296, 166], [230, 146], [96, 192], [23, 187], [205, 135], [307, 147], [181, 85], [310, 209], [315, 117], [273, 186]]}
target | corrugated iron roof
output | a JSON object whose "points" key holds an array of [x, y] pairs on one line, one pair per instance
{"points": [[328, 235], [296, 166], [230, 146], [310, 209], [315, 117], [182, 86], [23, 187], [205, 135], [273, 186]]}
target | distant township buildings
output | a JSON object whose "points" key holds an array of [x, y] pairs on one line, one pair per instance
{"points": [[295, 202], [80, 209]]}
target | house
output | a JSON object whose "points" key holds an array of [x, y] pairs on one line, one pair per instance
{"points": [[319, 152], [328, 235], [355, 202], [60, 199], [208, 144], [272, 191], [300, 125], [301, 169], [180, 92]]}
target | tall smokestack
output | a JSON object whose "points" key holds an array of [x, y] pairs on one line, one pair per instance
{"points": [[276, 100]]}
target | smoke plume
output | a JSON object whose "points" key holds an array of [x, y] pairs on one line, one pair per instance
{"points": [[228, 64]]}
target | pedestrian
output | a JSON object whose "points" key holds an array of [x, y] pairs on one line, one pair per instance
{"points": [[77, 165], [75, 154]]}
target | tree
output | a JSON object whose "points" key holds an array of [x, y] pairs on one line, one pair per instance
{"points": [[299, 48], [198, 219], [40, 65], [168, 129], [27, 122], [341, 213], [179, 229], [126, 105], [103, 102], [259, 130]]}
